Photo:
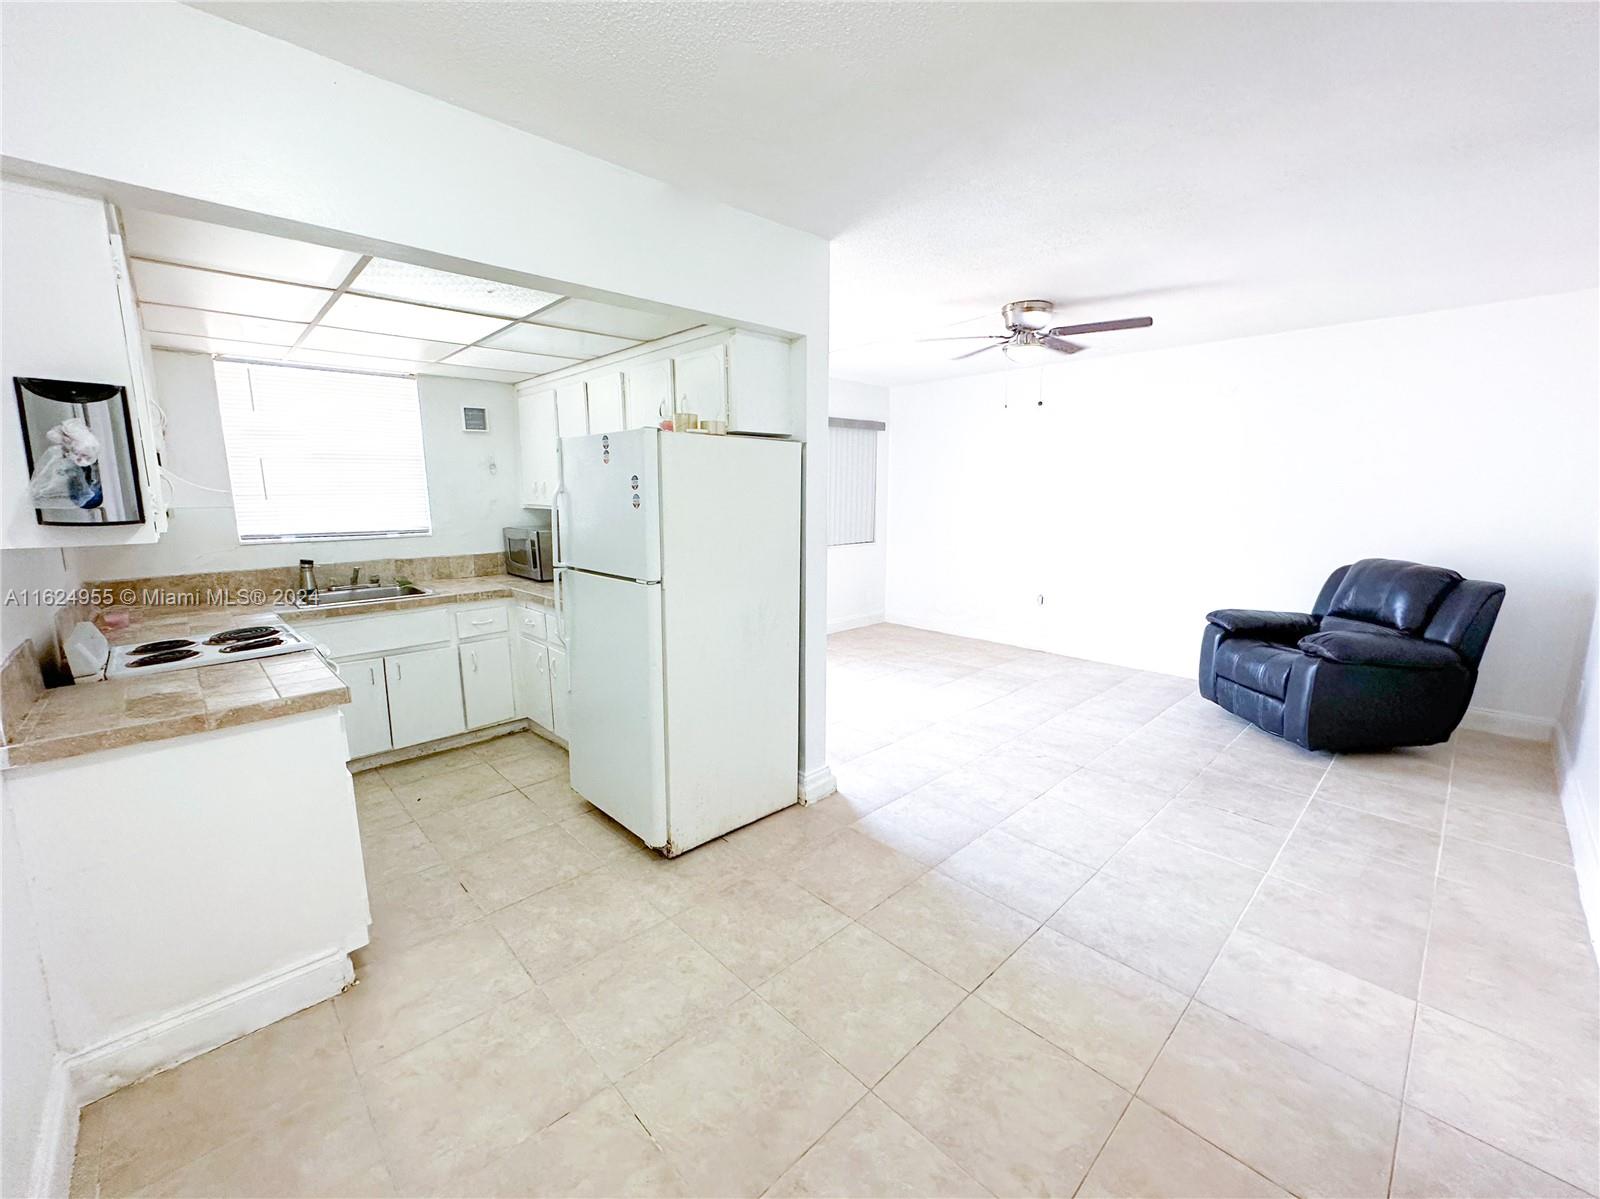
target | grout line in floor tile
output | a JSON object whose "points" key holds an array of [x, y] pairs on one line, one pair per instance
{"points": [[1422, 973], [1201, 984]]}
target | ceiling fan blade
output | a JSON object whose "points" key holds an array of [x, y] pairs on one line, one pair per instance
{"points": [[974, 353], [1062, 344], [1133, 322], [968, 337]]}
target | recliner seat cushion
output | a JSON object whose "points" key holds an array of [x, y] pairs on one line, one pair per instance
{"points": [[1259, 665], [1400, 595]]}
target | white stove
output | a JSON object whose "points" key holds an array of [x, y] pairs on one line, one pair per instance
{"points": [[263, 637]]}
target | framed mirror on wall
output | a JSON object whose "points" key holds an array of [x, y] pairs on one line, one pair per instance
{"points": [[82, 464]]}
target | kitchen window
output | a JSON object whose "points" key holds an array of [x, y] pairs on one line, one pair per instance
{"points": [[852, 481], [322, 454]]}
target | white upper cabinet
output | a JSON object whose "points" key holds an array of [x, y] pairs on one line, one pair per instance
{"points": [[649, 393], [700, 380], [68, 313], [759, 400], [536, 433], [606, 406], [572, 409]]}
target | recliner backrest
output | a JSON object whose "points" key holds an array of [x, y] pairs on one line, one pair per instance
{"points": [[1400, 596], [1466, 617]]}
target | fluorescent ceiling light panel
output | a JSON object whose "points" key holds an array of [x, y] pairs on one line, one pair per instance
{"points": [[507, 360], [158, 318], [351, 341], [472, 372], [189, 343], [596, 317], [187, 287], [564, 343], [351, 362], [199, 243], [409, 320], [423, 285]]}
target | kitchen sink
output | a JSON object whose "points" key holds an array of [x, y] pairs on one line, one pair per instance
{"points": [[362, 593]]}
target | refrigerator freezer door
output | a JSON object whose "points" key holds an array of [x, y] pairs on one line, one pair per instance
{"points": [[610, 519], [616, 719]]}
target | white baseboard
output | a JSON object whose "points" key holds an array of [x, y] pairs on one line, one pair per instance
{"points": [[96, 1072], [817, 784], [1585, 837], [58, 1137], [1508, 724], [854, 622]]}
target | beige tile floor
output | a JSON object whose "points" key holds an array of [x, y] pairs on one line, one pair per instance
{"points": [[1065, 929]]}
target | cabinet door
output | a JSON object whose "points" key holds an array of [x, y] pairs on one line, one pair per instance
{"points": [[536, 431], [366, 716], [572, 410], [534, 680], [648, 399], [559, 684], [606, 403], [700, 379], [424, 695], [486, 682]]}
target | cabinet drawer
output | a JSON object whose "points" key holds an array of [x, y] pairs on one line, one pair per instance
{"points": [[359, 636], [531, 622], [480, 622]]}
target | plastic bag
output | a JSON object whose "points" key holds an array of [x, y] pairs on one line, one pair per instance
{"points": [[59, 482]]}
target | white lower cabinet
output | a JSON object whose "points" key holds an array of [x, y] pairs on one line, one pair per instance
{"points": [[486, 681], [560, 684], [366, 716], [533, 682], [424, 695]]}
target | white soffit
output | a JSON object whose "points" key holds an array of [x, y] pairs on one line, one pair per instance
{"points": [[1229, 169], [442, 289]]}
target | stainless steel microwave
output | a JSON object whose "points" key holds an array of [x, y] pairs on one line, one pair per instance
{"points": [[530, 553]]}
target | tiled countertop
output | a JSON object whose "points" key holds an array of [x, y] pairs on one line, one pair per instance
{"points": [[67, 721]]}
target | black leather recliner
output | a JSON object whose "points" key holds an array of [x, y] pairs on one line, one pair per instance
{"points": [[1387, 657]]}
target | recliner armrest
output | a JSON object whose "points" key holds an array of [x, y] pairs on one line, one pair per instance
{"points": [[1379, 649], [1276, 626]]}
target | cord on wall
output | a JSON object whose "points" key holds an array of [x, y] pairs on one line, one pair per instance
{"points": [[177, 478]]}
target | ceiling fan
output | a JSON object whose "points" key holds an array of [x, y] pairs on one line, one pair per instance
{"points": [[1033, 340]]}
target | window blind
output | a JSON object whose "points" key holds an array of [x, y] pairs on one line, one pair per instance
{"points": [[322, 454], [852, 484]]}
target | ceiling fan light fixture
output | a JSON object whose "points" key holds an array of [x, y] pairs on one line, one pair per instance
{"points": [[1025, 349], [1028, 314]]}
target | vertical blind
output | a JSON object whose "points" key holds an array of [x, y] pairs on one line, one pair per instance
{"points": [[319, 453], [852, 484]]}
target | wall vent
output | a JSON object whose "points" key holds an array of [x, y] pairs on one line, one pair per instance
{"points": [[474, 420]]}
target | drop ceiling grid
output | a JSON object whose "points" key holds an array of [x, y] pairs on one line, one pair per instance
{"points": [[500, 351]]}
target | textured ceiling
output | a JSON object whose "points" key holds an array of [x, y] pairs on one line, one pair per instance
{"points": [[1227, 168]]}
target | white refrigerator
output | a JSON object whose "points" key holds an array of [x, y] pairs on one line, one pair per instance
{"points": [[678, 592]]}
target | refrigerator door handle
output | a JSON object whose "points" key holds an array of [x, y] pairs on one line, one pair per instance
{"points": [[561, 628]]}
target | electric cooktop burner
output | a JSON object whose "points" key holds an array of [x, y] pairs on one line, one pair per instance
{"points": [[239, 647], [170, 655], [254, 632], [156, 647]]}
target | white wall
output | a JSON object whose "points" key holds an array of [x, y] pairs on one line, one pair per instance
{"points": [[27, 1033], [856, 572], [1578, 750], [470, 503], [24, 573], [1151, 488]]}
